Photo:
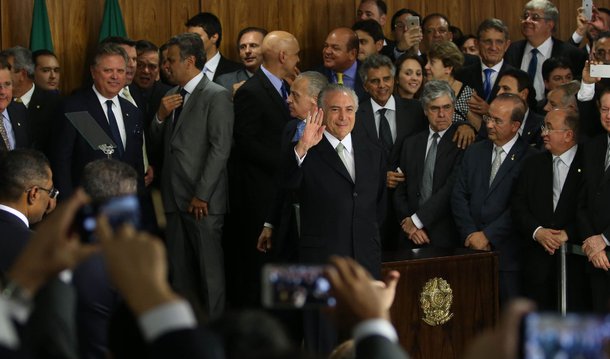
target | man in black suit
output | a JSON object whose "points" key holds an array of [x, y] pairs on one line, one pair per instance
{"points": [[387, 121], [429, 159], [249, 44], [117, 117], [39, 103], [483, 188], [261, 113], [207, 26], [339, 176], [544, 210], [493, 40], [340, 60], [436, 28], [517, 82], [537, 26], [593, 215]]}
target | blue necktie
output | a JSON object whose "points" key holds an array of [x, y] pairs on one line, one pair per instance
{"points": [[299, 132], [114, 129], [487, 84], [531, 69]]}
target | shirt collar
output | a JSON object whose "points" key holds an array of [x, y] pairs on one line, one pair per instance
{"points": [[16, 213], [390, 105], [568, 156], [351, 71], [212, 63], [190, 86], [346, 141], [275, 81], [495, 67], [440, 133], [509, 145], [102, 99], [545, 48], [27, 97], [527, 113]]}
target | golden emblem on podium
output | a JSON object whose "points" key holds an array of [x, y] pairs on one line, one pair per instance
{"points": [[435, 300]]}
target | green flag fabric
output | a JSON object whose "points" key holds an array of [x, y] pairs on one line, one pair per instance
{"points": [[40, 36], [112, 22]]}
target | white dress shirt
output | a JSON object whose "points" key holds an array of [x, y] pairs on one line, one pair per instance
{"points": [[116, 110], [390, 114], [544, 52], [211, 65]]}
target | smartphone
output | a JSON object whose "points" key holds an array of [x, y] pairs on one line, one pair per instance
{"points": [[412, 21], [118, 210], [295, 286], [600, 71], [549, 335], [587, 8]]}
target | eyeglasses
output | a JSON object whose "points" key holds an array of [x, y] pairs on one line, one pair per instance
{"points": [[440, 31], [151, 67], [495, 120], [437, 109], [534, 17], [53, 192], [545, 130]]}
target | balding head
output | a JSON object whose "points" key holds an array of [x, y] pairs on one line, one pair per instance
{"points": [[281, 54], [340, 49]]}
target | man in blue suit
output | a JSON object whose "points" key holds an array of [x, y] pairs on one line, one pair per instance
{"points": [[117, 117], [481, 196]]}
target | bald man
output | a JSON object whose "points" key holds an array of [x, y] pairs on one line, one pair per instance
{"points": [[261, 112], [340, 60]]}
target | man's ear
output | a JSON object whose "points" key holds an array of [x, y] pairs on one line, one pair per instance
{"points": [[214, 39], [32, 194]]}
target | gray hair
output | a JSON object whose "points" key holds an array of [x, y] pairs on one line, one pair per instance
{"points": [[22, 59], [109, 49], [332, 88], [21, 169], [569, 91], [107, 178], [316, 82], [375, 61], [549, 9], [434, 89], [493, 24]]}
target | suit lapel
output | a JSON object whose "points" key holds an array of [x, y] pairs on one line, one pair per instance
{"points": [[190, 104], [97, 112], [421, 142], [572, 180], [330, 156], [368, 120], [272, 93], [132, 128]]}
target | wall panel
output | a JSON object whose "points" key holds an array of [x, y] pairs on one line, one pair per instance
{"points": [[75, 23]]}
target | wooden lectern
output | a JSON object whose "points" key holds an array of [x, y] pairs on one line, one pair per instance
{"points": [[445, 297]]}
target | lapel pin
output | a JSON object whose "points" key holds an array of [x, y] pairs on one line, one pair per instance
{"points": [[18, 123], [512, 158], [579, 170], [37, 106]]}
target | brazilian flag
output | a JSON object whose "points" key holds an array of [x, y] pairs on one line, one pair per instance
{"points": [[40, 36], [112, 22]]}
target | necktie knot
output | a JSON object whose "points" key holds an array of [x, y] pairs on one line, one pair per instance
{"points": [[534, 51], [382, 111], [435, 136], [340, 78], [340, 148], [499, 150]]}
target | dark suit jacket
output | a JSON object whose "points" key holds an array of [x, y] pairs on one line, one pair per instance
{"points": [[471, 75], [260, 117], [410, 119], [435, 214], [531, 131], [532, 206], [593, 214], [71, 152], [17, 113], [376, 346], [225, 66], [186, 344], [477, 206], [148, 100], [338, 216], [358, 86], [41, 124], [15, 235], [514, 55]]}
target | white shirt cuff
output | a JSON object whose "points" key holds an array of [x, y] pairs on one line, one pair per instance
{"points": [[299, 160], [417, 222], [166, 318], [157, 119], [586, 92], [268, 225], [375, 327], [536, 231], [605, 240], [576, 38]]}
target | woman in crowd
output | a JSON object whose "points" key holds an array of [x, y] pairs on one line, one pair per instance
{"points": [[409, 76]]}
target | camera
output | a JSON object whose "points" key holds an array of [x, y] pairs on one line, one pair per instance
{"points": [[118, 210], [295, 286]]}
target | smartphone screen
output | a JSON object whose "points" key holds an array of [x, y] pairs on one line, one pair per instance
{"points": [[295, 286], [549, 335], [118, 210]]}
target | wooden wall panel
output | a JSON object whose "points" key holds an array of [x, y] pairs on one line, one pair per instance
{"points": [[75, 23]]}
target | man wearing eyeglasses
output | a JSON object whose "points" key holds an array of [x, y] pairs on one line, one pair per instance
{"points": [[538, 24], [544, 211], [435, 29], [481, 196]]}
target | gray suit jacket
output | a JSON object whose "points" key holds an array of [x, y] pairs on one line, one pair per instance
{"points": [[196, 149], [227, 80]]}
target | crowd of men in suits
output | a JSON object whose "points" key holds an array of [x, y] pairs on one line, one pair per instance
{"points": [[259, 162]]}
